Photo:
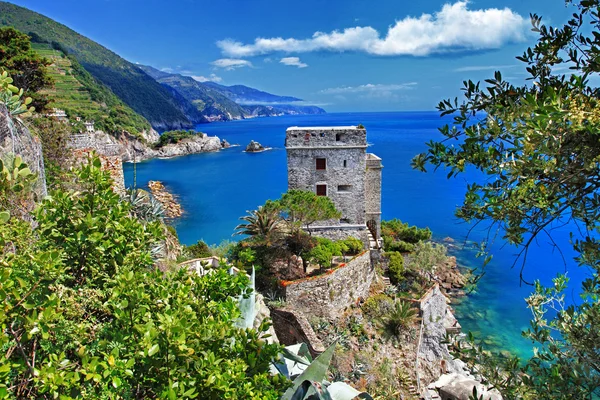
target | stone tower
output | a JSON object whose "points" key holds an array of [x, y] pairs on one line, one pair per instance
{"points": [[333, 162]]}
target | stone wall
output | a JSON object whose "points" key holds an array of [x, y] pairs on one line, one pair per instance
{"points": [[112, 164], [373, 192], [292, 327], [328, 295], [99, 141], [341, 232]]}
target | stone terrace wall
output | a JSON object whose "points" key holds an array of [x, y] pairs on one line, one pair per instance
{"points": [[328, 295], [341, 232], [292, 327], [112, 164]]}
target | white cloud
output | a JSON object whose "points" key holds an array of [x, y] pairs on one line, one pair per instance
{"points": [[483, 68], [390, 92], [453, 28], [210, 78], [293, 61], [369, 88], [231, 63]]}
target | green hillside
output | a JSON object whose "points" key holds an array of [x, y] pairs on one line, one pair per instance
{"points": [[80, 95], [132, 85]]}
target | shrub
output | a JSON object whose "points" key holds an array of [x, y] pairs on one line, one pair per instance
{"points": [[376, 306], [427, 256], [389, 244], [396, 267], [198, 250], [399, 230], [81, 299], [354, 246], [174, 137]]}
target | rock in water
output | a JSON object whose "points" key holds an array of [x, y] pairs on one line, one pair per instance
{"points": [[254, 147]]}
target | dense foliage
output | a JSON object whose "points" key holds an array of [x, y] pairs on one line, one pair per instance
{"points": [[85, 315], [172, 137], [400, 236], [279, 232], [27, 69], [58, 156], [198, 250], [538, 146]]}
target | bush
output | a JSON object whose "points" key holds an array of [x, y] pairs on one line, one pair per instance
{"points": [[396, 267], [175, 137], [427, 256], [354, 246], [400, 231], [377, 306], [198, 250], [389, 244], [81, 297]]}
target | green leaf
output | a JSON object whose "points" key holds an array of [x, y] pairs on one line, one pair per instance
{"points": [[315, 372], [153, 350]]}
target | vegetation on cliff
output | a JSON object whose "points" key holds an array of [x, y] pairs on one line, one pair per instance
{"points": [[85, 313], [27, 68], [133, 86], [538, 146]]}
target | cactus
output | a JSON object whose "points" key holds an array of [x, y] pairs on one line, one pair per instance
{"points": [[11, 96]]}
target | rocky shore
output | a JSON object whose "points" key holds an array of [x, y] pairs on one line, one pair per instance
{"points": [[142, 147], [171, 206]]}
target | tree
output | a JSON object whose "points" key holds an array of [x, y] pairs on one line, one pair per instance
{"points": [[303, 208], [27, 68], [539, 147], [263, 224]]}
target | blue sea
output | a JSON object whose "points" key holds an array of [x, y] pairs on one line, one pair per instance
{"points": [[215, 189]]}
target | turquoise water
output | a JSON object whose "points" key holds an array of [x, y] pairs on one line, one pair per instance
{"points": [[215, 189]]}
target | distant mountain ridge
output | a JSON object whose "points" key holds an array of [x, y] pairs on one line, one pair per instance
{"points": [[246, 95], [223, 103]]}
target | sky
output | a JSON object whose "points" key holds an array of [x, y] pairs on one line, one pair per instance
{"points": [[343, 55]]}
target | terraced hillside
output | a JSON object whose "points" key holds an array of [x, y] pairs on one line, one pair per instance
{"points": [[80, 95], [132, 85]]}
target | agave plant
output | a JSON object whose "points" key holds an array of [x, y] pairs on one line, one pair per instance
{"points": [[263, 223], [144, 206], [311, 383]]}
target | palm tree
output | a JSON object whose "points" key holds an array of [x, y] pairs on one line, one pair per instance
{"points": [[397, 320], [261, 224]]}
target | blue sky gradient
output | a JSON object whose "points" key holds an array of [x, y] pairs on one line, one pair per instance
{"points": [[424, 59]]}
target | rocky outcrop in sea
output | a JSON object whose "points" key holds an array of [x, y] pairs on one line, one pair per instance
{"points": [[254, 147]]}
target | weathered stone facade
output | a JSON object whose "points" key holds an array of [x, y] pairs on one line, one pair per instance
{"points": [[333, 162], [330, 294], [373, 193]]}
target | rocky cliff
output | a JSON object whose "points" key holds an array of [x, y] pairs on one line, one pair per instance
{"points": [[133, 148]]}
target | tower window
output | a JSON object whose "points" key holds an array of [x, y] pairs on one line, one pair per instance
{"points": [[321, 163], [344, 188], [321, 190], [345, 163], [339, 137]]}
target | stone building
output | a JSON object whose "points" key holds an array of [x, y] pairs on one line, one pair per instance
{"points": [[333, 162]]}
